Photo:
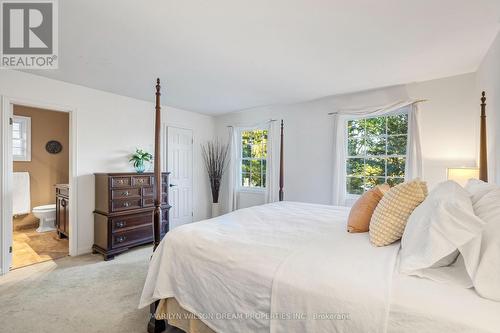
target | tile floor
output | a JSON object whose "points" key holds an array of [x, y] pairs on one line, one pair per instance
{"points": [[31, 247]]}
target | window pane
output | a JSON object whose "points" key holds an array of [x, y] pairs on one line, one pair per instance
{"points": [[356, 147], [245, 179], [355, 166], [371, 182], [17, 152], [396, 145], [375, 126], [246, 151], [375, 167], [245, 166], [355, 127], [264, 166], [354, 185], [375, 145], [258, 150], [395, 181], [395, 166], [397, 124], [16, 126], [255, 172]]}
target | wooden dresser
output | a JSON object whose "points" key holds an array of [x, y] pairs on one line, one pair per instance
{"points": [[123, 216], [62, 210]]}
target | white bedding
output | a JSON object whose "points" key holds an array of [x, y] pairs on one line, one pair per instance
{"points": [[422, 305], [228, 269]]}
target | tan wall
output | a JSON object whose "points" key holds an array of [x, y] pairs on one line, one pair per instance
{"points": [[45, 169]]}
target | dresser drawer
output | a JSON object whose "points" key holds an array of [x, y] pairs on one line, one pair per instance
{"points": [[148, 191], [131, 237], [120, 181], [62, 191], [141, 181], [130, 221], [118, 205], [125, 193], [148, 202]]}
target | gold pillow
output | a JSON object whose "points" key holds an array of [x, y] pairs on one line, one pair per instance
{"points": [[362, 210], [389, 218]]}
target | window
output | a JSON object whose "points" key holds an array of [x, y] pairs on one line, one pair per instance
{"points": [[253, 158], [21, 138], [376, 152]]}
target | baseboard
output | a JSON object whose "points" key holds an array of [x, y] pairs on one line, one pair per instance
{"points": [[84, 250]]}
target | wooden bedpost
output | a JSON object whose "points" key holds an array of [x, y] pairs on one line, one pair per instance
{"points": [[157, 167], [156, 326], [483, 152], [281, 164]]}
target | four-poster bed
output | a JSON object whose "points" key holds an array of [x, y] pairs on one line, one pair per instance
{"points": [[296, 250], [154, 325]]}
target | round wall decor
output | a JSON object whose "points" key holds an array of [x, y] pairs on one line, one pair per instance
{"points": [[53, 147]]}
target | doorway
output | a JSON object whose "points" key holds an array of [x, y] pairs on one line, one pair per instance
{"points": [[21, 227], [40, 141], [180, 164]]}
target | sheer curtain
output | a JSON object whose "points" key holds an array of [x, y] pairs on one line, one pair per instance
{"points": [[233, 169], [413, 167], [272, 162]]}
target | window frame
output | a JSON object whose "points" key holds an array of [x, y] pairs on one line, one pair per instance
{"points": [[241, 188], [350, 196], [25, 129]]}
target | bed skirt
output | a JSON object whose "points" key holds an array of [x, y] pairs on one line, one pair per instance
{"points": [[171, 311]]}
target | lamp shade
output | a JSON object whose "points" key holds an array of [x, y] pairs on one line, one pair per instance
{"points": [[462, 175]]}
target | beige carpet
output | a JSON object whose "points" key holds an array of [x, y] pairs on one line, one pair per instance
{"points": [[79, 295]]}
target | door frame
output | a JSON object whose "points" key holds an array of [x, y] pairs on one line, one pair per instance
{"points": [[6, 174], [165, 160]]}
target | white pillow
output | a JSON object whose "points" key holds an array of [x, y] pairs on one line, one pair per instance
{"points": [[477, 189], [437, 229], [487, 274]]}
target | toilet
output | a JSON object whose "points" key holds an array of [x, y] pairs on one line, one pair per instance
{"points": [[47, 216]]}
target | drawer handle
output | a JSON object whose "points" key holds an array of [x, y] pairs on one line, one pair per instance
{"points": [[126, 204], [120, 181], [120, 224], [126, 193], [120, 239], [140, 180], [63, 203]]}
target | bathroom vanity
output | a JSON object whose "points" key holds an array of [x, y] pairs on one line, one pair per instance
{"points": [[123, 216], [62, 210]]}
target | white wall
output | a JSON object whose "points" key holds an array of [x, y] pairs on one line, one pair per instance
{"points": [[488, 79], [109, 128], [448, 124]]}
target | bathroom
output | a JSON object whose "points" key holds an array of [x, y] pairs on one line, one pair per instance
{"points": [[40, 198]]}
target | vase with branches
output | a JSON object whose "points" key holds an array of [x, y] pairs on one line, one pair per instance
{"points": [[139, 158], [215, 156]]}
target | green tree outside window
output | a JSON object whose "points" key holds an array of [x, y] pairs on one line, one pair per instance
{"points": [[376, 152]]}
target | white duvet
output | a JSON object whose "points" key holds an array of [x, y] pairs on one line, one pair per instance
{"points": [[282, 267]]}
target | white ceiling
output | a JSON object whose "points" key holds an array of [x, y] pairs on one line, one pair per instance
{"points": [[225, 55]]}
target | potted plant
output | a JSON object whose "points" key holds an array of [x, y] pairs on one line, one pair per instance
{"points": [[215, 156], [139, 158]]}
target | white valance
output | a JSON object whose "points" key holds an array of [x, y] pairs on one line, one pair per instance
{"points": [[413, 166]]}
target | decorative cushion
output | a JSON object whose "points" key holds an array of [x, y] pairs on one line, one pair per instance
{"points": [[389, 218], [362, 210]]}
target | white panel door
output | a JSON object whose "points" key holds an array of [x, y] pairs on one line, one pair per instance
{"points": [[180, 164]]}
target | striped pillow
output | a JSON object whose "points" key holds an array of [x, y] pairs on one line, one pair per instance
{"points": [[389, 218]]}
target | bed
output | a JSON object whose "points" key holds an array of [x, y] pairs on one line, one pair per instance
{"points": [[291, 267]]}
